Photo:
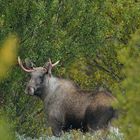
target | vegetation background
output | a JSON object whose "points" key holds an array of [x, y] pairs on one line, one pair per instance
{"points": [[97, 43]]}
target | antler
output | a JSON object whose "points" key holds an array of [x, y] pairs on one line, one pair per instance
{"points": [[21, 65], [50, 66]]}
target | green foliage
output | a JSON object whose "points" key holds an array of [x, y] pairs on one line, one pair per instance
{"points": [[129, 102], [7, 59], [8, 54], [84, 35], [5, 131], [113, 134]]}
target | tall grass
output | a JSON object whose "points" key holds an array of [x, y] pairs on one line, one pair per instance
{"points": [[113, 134]]}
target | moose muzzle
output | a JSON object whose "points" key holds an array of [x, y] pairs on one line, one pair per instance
{"points": [[30, 90]]}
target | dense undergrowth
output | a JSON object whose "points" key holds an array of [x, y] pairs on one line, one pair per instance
{"points": [[97, 43], [113, 134]]}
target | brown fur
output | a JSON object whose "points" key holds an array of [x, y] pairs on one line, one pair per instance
{"points": [[67, 107], [75, 109]]}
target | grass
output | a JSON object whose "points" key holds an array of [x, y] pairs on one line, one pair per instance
{"points": [[113, 134]]}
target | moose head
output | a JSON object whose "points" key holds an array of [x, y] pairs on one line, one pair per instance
{"points": [[38, 74]]}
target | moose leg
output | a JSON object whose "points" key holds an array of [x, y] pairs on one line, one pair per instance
{"points": [[56, 129], [56, 124]]}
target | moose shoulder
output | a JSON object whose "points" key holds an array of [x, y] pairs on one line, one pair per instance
{"points": [[66, 106]]}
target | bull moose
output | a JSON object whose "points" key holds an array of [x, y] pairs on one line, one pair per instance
{"points": [[65, 105]]}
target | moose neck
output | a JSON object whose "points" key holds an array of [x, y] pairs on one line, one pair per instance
{"points": [[49, 86]]}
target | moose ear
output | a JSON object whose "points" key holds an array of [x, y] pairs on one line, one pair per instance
{"points": [[46, 65], [28, 63]]}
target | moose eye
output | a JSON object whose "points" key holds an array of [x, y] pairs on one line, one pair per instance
{"points": [[41, 77]]}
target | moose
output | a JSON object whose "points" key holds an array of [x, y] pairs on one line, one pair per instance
{"points": [[66, 106]]}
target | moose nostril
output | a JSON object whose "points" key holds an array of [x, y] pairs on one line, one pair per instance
{"points": [[30, 90]]}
